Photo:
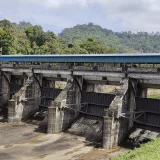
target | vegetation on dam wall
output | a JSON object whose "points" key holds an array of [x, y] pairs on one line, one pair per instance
{"points": [[148, 151]]}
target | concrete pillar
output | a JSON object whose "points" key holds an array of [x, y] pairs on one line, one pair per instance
{"points": [[78, 91], [131, 102], [25, 102], [107, 129], [11, 110], [64, 108], [56, 117], [74, 93], [110, 132], [115, 127], [16, 111], [51, 119], [71, 96], [54, 120], [73, 100]]}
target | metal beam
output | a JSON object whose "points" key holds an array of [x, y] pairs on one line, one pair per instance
{"points": [[85, 58]]}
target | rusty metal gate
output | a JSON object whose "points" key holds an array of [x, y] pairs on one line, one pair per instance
{"points": [[94, 104], [90, 120], [48, 95], [148, 112], [15, 85]]}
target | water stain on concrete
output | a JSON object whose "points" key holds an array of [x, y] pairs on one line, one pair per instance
{"points": [[8, 146], [5, 156], [23, 143], [98, 154], [60, 144]]}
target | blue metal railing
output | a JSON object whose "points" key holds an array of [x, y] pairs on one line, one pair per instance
{"points": [[87, 58]]}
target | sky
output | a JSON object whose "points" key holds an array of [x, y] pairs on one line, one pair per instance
{"points": [[56, 15]]}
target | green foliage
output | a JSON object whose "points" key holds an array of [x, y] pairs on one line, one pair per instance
{"points": [[24, 38], [123, 42], [36, 34], [148, 151], [6, 41], [93, 46], [22, 25]]}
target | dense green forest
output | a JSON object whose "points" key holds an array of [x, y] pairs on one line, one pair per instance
{"points": [[123, 42], [24, 38]]}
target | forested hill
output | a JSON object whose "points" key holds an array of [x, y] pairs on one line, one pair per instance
{"points": [[124, 42], [24, 38]]}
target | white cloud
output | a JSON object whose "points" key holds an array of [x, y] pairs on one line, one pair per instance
{"points": [[135, 15], [58, 4]]}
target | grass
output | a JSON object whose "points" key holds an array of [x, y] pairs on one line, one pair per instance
{"points": [[148, 151]]}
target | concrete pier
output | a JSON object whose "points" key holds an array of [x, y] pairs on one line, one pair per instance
{"points": [[25, 102], [116, 127]]}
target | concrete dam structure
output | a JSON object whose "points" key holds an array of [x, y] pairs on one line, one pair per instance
{"points": [[27, 86]]}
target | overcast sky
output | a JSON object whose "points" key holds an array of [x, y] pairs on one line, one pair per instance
{"points": [[55, 15]]}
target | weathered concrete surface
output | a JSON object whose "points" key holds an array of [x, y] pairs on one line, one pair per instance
{"points": [[115, 127], [25, 102], [90, 128], [4, 88], [21, 142], [55, 112], [105, 75], [63, 110], [101, 154]]}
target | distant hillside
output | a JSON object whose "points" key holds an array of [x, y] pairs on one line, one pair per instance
{"points": [[24, 38], [126, 42]]}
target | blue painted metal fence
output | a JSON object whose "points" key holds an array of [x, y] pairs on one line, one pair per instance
{"points": [[88, 58]]}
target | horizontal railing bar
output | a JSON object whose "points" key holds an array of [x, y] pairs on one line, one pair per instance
{"points": [[152, 58]]}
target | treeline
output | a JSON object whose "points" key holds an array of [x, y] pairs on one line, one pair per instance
{"points": [[124, 42], [24, 38]]}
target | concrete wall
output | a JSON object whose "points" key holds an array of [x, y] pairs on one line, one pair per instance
{"points": [[5, 90], [115, 126], [64, 108], [56, 113], [25, 102]]}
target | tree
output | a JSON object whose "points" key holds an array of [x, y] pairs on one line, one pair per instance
{"points": [[93, 46], [36, 34], [22, 25], [6, 42]]}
